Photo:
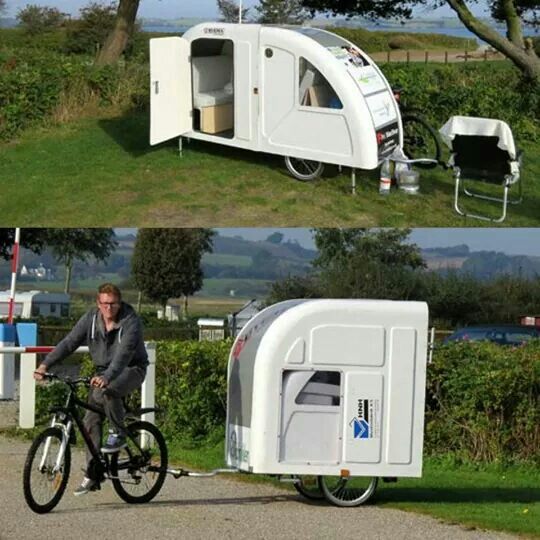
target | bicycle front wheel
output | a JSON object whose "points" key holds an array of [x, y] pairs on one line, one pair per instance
{"points": [[46, 471], [420, 140], [139, 470]]}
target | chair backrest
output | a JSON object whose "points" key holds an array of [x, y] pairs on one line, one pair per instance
{"points": [[478, 156], [211, 72]]}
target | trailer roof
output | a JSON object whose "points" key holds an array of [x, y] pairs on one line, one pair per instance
{"points": [[324, 38]]}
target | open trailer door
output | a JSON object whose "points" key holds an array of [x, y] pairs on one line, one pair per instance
{"points": [[170, 89]]}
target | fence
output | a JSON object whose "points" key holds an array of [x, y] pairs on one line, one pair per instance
{"points": [[27, 384], [446, 57]]}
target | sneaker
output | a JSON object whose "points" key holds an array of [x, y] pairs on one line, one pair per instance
{"points": [[86, 486], [114, 443]]}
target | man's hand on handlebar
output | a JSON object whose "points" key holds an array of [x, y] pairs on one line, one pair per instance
{"points": [[38, 373], [99, 382]]}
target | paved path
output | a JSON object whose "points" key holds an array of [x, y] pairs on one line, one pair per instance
{"points": [[201, 508]]}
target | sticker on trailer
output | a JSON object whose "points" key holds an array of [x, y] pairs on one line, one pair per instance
{"points": [[387, 139], [368, 79], [367, 423], [382, 109]]}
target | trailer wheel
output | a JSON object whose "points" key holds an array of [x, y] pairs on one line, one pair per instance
{"points": [[304, 170], [308, 486], [347, 491]]}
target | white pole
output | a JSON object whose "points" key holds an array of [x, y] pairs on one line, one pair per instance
{"points": [[27, 391], [14, 267], [240, 12], [148, 390]]}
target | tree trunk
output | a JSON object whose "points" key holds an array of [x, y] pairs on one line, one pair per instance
{"points": [[117, 40], [185, 310], [139, 301], [67, 282], [513, 47]]}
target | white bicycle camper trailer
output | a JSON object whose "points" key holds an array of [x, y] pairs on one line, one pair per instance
{"points": [[330, 387], [302, 93]]}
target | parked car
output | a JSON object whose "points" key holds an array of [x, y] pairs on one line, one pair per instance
{"points": [[502, 334]]}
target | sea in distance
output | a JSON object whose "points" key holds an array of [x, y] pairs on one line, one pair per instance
{"points": [[429, 27]]}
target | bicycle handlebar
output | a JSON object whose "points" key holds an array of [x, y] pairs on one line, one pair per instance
{"points": [[66, 380]]}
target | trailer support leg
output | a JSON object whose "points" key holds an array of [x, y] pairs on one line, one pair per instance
{"points": [[353, 180], [180, 147]]}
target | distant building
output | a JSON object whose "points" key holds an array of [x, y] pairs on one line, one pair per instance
{"points": [[238, 319], [530, 320], [35, 304], [40, 272], [172, 313], [211, 329]]}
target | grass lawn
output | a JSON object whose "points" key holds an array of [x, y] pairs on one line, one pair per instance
{"points": [[102, 172], [491, 497]]}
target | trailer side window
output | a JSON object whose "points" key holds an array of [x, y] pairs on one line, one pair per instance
{"points": [[314, 89], [322, 388]]}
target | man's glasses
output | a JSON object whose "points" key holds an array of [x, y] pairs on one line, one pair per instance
{"points": [[109, 304]]}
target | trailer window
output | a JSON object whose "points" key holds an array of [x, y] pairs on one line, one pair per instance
{"points": [[323, 388], [35, 310], [314, 89]]}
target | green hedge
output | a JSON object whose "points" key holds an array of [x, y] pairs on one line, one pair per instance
{"points": [[34, 84], [483, 401], [492, 90]]}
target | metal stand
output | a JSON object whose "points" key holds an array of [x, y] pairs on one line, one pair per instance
{"points": [[353, 181], [180, 147]]}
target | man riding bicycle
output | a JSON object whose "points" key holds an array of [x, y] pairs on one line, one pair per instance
{"points": [[113, 333]]}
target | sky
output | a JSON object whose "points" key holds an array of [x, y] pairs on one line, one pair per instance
{"points": [[174, 9], [519, 241]]}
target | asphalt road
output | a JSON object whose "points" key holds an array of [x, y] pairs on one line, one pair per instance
{"points": [[194, 508]]}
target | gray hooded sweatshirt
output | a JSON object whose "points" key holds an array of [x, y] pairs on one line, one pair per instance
{"points": [[111, 351]]}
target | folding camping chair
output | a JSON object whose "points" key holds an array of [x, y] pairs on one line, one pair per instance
{"points": [[482, 149]]}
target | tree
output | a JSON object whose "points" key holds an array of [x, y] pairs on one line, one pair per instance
{"points": [[32, 239], [38, 19], [384, 246], [90, 30], [282, 12], [166, 263], [229, 10], [118, 38], [275, 238], [513, 13], [2, 6], [70, 245]]}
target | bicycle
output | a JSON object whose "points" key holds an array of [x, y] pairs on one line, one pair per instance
{"points": [[137, 471], [420, 140]]}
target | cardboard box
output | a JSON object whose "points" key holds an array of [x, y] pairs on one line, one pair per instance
{"points": [[217, 119]]}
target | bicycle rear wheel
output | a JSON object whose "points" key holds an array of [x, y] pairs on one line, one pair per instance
{"points": [[46, 472], [420, 140], [352, 491], [304, 170], [139, 470]]}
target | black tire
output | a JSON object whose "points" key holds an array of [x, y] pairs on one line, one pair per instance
{"points": [[308, 486], [136, 477], [305, 170], [347, 492], [420, 140], [42, 487]]}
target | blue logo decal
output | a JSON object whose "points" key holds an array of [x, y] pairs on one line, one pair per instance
{"points": [[360, 428]]}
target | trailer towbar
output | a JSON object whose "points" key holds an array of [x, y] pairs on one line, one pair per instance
{"points": [[177, 473]]}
